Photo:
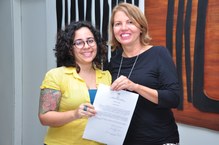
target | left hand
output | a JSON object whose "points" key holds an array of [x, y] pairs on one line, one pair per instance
{"points": [[123, 83], [85, 110]]}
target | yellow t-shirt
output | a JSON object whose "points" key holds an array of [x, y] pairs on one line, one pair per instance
{"points": [[74, 92]]}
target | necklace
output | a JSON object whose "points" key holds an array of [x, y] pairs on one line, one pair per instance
{"points": [[120, 66]]}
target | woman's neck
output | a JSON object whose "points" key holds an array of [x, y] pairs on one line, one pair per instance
{"points": [[134, 50], [88, 74], [130, 51], [86, 67]]}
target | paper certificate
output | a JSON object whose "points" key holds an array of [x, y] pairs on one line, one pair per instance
{"points": [[114, 113]]}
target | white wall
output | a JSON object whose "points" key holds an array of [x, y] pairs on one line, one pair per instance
{"points": [[6, 77], [27, 37], [192, 135], [23, 63], [34, 66]]}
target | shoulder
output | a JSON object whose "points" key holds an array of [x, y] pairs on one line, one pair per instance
{"points": [[156, 51], [164, 58], [159, 48], [60, 71], [116, 57], [102, 73], [54, 71], [104, 76], [116, 54], [160, 51]]}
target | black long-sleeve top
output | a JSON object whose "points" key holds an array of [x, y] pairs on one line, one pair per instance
{"points": [[151, 124]]}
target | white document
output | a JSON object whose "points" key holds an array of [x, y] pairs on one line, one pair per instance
{"points": [[114, 113]]}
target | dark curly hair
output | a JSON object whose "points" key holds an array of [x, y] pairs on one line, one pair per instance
{"points": [[64, 45]]}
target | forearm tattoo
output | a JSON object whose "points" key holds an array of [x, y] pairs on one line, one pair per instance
{"points": [[49, 100]]}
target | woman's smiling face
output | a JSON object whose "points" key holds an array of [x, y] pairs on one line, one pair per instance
{"points": [[125, 31], [85, 47]]}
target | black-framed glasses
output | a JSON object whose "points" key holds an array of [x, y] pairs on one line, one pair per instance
{"points": [[79, 43]]}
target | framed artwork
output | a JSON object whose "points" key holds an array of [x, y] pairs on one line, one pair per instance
{"points": [[190, 29]]}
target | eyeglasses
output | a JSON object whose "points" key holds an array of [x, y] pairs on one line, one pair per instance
{"points": [[80, 43]]}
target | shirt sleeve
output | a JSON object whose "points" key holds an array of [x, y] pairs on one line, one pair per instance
{"points": [[168, 94], [104, 77], [51, 80]]}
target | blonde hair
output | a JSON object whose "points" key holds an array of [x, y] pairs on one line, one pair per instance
{"points": [[138, 18]]}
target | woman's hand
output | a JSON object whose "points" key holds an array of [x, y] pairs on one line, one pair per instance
{"points": [[123, 83], [85, 110]]}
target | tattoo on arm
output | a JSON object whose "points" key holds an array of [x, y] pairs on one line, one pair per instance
{"points": [[49, 100]]}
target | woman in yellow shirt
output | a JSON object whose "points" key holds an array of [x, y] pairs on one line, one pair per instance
{"points": [[67, 92]]}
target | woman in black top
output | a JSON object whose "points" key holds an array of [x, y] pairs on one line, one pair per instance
{"points": [[147, 70]]}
